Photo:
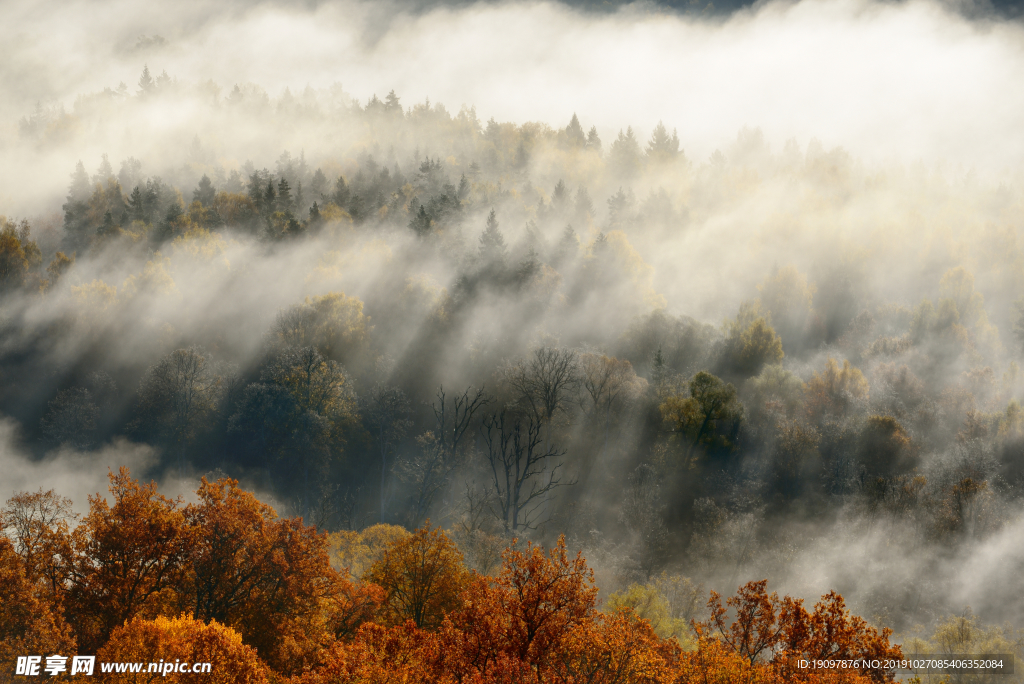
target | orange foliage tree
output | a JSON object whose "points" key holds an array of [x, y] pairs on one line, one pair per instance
{"points": [[37, 524], [767, 629], [128, 559], [28, 626], [422, 576], [183, 639], [269, 579]]}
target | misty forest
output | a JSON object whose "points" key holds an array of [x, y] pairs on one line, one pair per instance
{"points": [[434, 343]]}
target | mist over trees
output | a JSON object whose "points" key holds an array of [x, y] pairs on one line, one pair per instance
{"points": [[770, 363]]}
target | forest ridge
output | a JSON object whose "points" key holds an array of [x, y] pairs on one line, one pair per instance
{"points": [[708, 372]]}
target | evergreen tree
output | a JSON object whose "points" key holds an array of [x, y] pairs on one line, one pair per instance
{"points": [[568, 245], [270, 198], [593, 140], [492, 242], [76, 220], [583, 208], [284, 197], [136, 205], [318, 185], [146, 84], [205, 192], [661, 147], [626, 154], [420, 222], [341, 194], [464, 188], [560, 196], [392, 104], [108, 225], [620, 208], [574, 133], [104, 172]]}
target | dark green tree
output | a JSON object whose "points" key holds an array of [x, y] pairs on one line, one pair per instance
{"points": [[204, 192]]}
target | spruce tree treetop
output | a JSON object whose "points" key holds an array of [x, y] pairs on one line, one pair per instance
{"points": [[205, 192], [492, 242], [146, 83], [574, 133]]}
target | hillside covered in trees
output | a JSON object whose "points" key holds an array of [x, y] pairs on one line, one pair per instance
{"points": [[783, 364]]}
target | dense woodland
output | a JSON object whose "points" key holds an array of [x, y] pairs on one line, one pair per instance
{"points": [[782, 365]]}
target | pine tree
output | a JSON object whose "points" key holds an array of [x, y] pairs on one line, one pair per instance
{"points": [[420, 222], [560, 195], [205, 192], [574, 133], [626, 154], [583, 207], [104, 172], [136, 205], [661, 147], [146, 84], [284, 196], [492, 242], [270, 198], [318, 186], [76, 219], [593, 139], [340, 196], [464, 188], [392, 104]]}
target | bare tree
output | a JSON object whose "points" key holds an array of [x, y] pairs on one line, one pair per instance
{"points": [[518, 465], [442, 449], [548, 383]]}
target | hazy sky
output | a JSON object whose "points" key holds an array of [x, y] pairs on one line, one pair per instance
{"points": [[913, 80]]}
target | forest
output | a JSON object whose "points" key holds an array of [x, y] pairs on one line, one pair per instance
{"points": [[529, 364]]}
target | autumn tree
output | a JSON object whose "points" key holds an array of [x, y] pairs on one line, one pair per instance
{"points": [[835, 392], [523, 617], [751, 343], [709, 418], [184, 640], [128, 559], [767, 629], [18, 254], [268, 578], [28, 624], [39, 526], [422, 577], [358, 551], [333, 323]]}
